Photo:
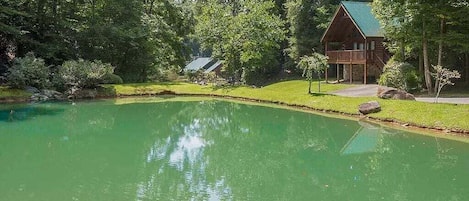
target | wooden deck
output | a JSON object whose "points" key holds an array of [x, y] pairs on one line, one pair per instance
{"points": [[346, 56]]}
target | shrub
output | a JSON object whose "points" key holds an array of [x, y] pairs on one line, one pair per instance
{"points": [[82, 73], [171, 75], [112, 79], [400, 75], [194, 75], [28, 71]]}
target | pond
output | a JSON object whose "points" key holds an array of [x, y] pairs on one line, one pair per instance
{"points": [[204, 149]]}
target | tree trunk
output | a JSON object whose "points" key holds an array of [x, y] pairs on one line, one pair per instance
{"points": [[440, 47], [426, 65], [421, 71], [440, 43], [402, 51], [309, 87], [467, 67]]}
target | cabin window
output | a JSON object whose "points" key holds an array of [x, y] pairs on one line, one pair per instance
{"points": [[355, 46], [372, 44], [362, 46]]}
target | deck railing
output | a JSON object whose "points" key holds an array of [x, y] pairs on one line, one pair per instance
{"points": [[346, 56]]}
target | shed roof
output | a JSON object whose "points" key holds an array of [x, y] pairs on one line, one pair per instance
{"points": [[361, 14], [198, 64], [213, 67]]}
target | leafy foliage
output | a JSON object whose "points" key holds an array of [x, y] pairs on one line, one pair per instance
{"points": [[82, 74], [246, 35], [429, 29], [400, 75], [138, 37], [314, 63], [28, 71], [112, 79], [443, 77], [308, 19]]}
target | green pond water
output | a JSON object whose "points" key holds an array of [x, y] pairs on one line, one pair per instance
{"points": [[216, 150]]}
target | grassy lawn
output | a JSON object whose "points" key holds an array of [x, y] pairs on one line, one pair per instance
{"points": [[7, 93], [447, 116]]}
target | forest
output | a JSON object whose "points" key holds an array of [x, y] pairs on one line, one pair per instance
{"points": [[150, 40]]}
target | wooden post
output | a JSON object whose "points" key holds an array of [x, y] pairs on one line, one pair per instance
{"points": [[364, 73], [366, 60], [326, 73], [338, 73], [350, 73], [325, 53]]}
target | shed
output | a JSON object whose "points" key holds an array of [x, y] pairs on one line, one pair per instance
{"points": [[206, 64]]}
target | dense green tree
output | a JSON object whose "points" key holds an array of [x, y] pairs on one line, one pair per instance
{"points": [[307, 20], [140, 38], [245, 34], [430, 29]]}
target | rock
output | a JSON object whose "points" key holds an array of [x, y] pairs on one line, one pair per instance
{"points": [[39, 97], [54, 95], [85, 94], [393, 93], [32, 90], [369, 107]]}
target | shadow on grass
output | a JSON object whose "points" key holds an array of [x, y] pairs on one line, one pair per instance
{"points": [[150, 84], [225, 87], [319, 94]]}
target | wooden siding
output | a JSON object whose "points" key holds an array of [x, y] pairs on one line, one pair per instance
{"points": [[346, 56]]}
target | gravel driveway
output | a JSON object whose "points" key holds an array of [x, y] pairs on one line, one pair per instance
{"points": [[370, 90], [358, 91]]}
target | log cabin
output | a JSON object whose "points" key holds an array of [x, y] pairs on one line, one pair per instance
{"points": [[353, 42]]}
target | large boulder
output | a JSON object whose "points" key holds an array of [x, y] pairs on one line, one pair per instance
{"points": [[393, 93], [369, 107]]}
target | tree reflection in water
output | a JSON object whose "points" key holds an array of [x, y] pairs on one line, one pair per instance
{"points": [[183, 151]]}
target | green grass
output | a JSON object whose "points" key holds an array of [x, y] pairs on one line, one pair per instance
{"points": [[444, 116], [7, 93]]}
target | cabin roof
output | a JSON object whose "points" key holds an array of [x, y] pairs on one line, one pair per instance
{"points": [[360, 15], [363, 17]]}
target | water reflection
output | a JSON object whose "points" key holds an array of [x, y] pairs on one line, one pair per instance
{"points": [[11, 113], [214, 150], [184, 153]]}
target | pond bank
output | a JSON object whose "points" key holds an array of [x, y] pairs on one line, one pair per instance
{"points": [[444, 118]]}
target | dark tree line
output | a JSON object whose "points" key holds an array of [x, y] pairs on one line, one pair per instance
{"points": [[145, 39], [141, 38]]}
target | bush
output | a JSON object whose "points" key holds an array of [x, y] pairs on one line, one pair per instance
{"points": [[194, 75], [400, 75], [28, 71], [112, 79], [82, 73]]}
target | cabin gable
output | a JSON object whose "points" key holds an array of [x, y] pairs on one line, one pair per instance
{"points": [[354, 39]]}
